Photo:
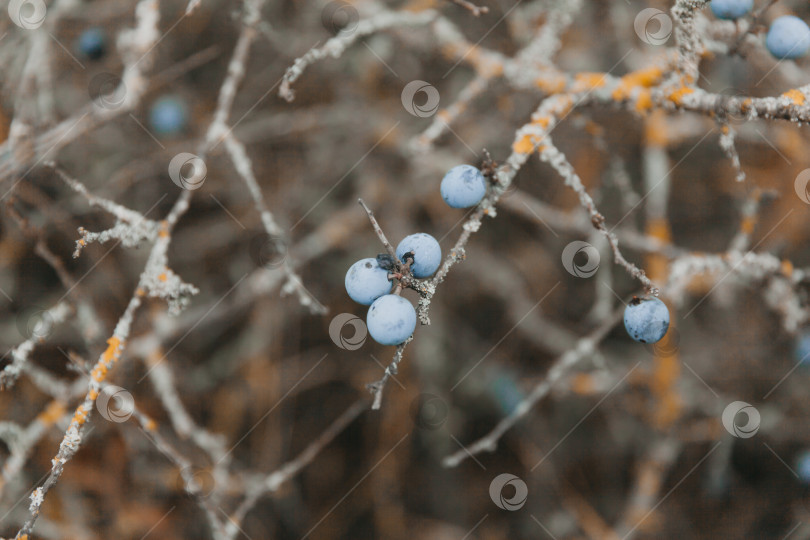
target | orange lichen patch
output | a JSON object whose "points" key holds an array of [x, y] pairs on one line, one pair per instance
{"points": [[99, 372], [93, 394], [443, 115], [113, 344], [140, 292], [52, 413], [82, 242], [644, 100], [542, 121], [747, 224], [164, 229], [677, 96], [551, 85], [150, 425], [643, 78], [162, 277], [655, 129], [594, 129], [795, 96], [588, 81], [787, 268], [582, 383], [80, 417], [527, 144]]}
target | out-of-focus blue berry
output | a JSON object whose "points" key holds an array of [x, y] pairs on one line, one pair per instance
{"points": [[366, 281], [427, 253], [463, 186], [731, 9], [647, 321], [788, 38], [92, 43], [803, 466], [391, 320], [507, 392], [802, 350], [168, 115]]}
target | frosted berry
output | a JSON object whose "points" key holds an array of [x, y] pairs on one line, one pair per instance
{"points": [[427, 254], [731, 9], [647, 321], [463, 186], [788, 38], [92, 43], [366, 281], [391, 320], [168, 115]]}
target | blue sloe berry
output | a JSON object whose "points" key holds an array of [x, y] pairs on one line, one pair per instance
{"points": [[366, 281], [427, 253], [803, 466], [92, 43], [463, 186], [647, 321], [802, 350], [788, 37], [391, 320], [168, 115], [731, 9]]}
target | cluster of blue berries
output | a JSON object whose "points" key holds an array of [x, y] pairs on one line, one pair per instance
{"points": [[647, 321], [391, 319], [788, 37]]}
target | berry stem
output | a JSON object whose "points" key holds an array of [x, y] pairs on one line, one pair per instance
{"points": [[380, 234]]}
